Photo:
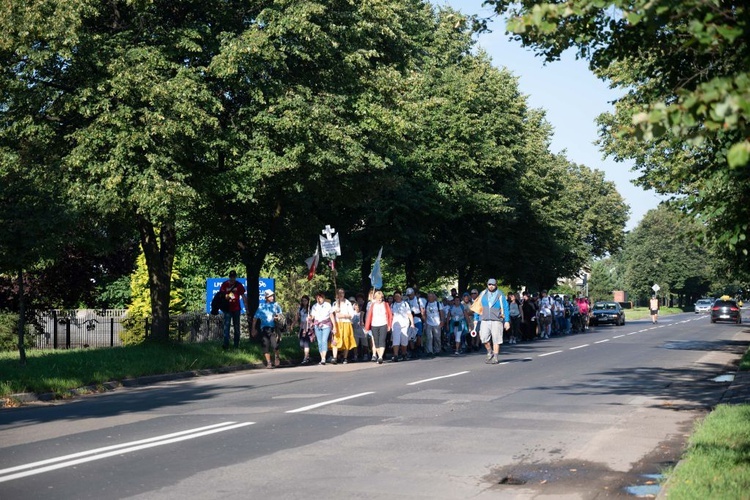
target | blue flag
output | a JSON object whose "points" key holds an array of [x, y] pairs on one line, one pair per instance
{"points": [[376, 277]]}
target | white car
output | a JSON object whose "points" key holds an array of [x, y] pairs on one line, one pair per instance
{"points": [[703, 305]]}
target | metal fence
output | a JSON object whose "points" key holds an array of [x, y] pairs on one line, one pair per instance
{"points": [[66, 329], [81, 328]]}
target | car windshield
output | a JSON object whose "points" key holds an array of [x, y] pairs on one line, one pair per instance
{"points": [[609, 306], [704, 302], [725, 303]]}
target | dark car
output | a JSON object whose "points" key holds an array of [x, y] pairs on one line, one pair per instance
{"points": [[726, 310], [607, 312]]}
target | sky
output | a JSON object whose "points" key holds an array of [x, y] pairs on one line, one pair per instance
{"points": [[572, 98]]}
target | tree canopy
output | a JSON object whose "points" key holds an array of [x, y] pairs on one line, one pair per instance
{"points": [[235, 130], [683, 118]]}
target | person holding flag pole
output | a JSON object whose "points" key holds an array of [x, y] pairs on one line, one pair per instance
{"points": [[376, 281]]}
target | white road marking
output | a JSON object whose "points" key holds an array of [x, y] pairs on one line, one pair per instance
{"points": [[437, 378], [110, 451], [601, 341], [324, 403], [549, 353], [579, 346], [618, 336]]}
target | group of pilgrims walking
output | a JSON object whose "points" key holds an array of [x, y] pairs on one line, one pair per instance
{"points": [[399, 327]]}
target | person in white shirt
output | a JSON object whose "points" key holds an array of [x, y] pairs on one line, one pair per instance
{"points": [[402, 321], [417, 305], [433, 325], [323, 321]]}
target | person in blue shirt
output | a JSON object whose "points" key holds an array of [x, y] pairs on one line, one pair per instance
{"points": [[495, 318], [267, 314]]}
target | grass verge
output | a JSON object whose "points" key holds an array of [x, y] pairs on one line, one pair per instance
{"points": [[643, 312], [717, 461], [60, 371]]}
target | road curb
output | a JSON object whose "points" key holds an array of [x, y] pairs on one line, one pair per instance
{"points": [[23, 398]]}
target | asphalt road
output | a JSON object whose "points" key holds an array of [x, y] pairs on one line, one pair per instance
{"points": [[582, 416]]}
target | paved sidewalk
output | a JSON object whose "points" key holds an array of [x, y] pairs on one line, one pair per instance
{"points": [[739, 390]]}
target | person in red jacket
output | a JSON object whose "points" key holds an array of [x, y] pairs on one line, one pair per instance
{"points": [[234, 292], [379, 320]]}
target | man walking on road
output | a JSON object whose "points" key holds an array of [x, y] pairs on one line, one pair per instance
{"points": [[493, 310], [653, 305]]}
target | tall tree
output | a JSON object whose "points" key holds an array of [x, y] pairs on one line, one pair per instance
{"points": [[683, 67], [307, 118], [664, 250]]}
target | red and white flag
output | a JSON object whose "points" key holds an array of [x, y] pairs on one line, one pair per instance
{"points": [[312, 264]]}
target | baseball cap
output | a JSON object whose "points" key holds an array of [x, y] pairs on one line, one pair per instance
{"points": [[409, 291], [268, 293], [474, 290], [492, 281]]}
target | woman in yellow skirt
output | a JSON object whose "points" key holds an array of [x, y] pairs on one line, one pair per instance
{"points": [[343, 340]]}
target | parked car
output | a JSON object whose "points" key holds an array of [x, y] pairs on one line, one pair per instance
{"points": [[703, 305], [726, 310], [607, 312]]}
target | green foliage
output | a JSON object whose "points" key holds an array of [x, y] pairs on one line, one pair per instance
{"points": [[684, 114], [716, 462], [116, 294], [140, 309], [665, 249], [605, 278], [242, 128], [9, 333]]}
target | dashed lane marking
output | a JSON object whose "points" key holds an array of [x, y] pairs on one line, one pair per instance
{"points": [[549, 353], [324, 403]]}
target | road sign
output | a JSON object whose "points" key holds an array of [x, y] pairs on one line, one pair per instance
{"points": [[214, 284], [655, 288]]}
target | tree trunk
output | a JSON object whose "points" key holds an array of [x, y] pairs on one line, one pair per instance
{"points": [[159, 249], [252, 272], [410, 269], [465, 277], [21, 319], [253, 261]]}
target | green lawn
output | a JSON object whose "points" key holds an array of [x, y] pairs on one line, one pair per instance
{"points": [[643, 312], [62, 370]]}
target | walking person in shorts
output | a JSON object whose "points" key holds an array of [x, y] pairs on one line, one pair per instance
{"points": [[495, 320]]}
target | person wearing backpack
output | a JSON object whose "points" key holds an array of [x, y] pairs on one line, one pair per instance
{"points": [[267, 315], [232, 292]]}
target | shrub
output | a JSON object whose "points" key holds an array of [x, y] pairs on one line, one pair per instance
{"points": [[9, 332]]}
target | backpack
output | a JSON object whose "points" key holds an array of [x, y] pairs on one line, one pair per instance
{"points": [[280, 323], [220, 303]]}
